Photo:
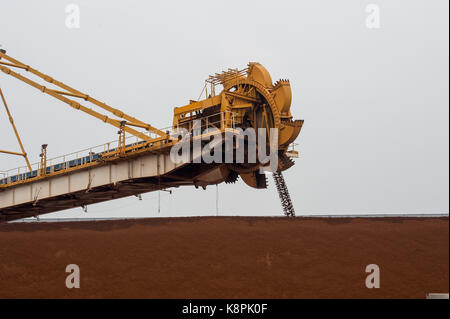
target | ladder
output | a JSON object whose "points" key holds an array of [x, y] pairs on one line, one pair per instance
{"points": [[283, 192]]}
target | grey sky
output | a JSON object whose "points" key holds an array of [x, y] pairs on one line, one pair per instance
{"points": [[374, 101]]}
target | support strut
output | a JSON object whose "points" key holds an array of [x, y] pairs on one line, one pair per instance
{"points": [[24, 154]]}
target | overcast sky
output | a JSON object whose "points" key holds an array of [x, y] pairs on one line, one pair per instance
{"points": [[375, 100]]}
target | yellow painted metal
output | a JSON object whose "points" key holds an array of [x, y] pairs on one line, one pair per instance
{"points": [[248, 99], [43, 166], [244, 93], [197, 105], [11, 152], [110, 156], [24, 154], [75, 93], [75, 104]]}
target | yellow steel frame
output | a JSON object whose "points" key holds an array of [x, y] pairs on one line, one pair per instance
{"points": [[69, 91], [107, 157], [24, 154], [181, 114], [134, 150], [122, 151]]}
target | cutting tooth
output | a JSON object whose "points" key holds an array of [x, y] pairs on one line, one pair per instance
{"points": [[232, 178]]}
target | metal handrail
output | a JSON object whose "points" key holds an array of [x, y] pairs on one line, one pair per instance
{"points": [[105, 147]]}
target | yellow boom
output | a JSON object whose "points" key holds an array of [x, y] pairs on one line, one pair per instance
{"points": [[69, 91]]}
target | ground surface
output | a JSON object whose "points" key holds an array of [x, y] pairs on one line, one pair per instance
{"points": [[226, 257]]}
